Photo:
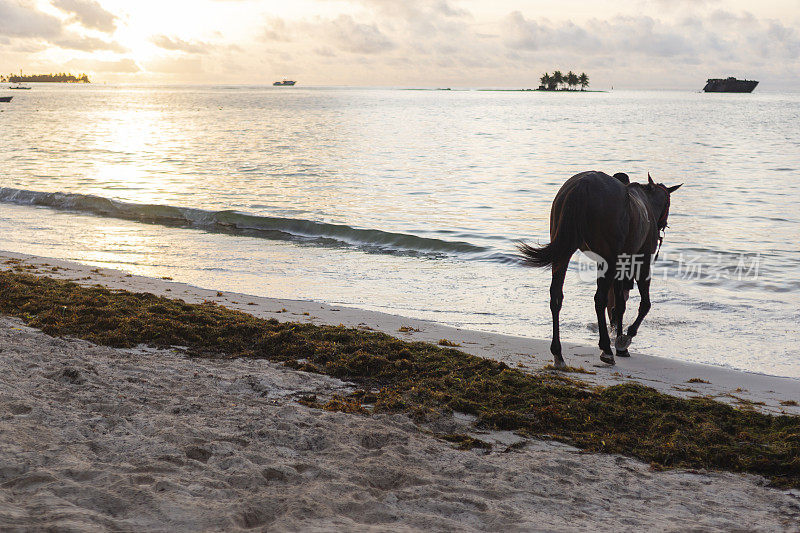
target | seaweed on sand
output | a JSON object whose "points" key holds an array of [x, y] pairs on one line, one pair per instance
{"points": [[421, 379]]}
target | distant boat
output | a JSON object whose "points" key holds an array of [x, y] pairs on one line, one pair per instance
{"points": [[5, 98], [729, 85], [20, 87], [284, 83]]}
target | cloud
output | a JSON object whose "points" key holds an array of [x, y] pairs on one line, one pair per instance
{"points": [[786, 39], [413, 9], [121, 66], [526, 34], [419, 27], [89, 14], [342, 32], [324, 51], [176, 44], [628, 35], [692, 40], [352, 36], [27, 46], [22, 20], [276, 29], [677, 5], [87, 44], [176, 66]]}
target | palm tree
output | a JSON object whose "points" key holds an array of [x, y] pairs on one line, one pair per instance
{"points": [[558, 78], [545, 80], [571, 79], [583, 80]]}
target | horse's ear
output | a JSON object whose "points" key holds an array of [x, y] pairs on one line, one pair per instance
{"points": [[674, 188], [650, 180]]}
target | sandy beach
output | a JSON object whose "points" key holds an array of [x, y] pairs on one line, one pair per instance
{"points": [[95, 438]]}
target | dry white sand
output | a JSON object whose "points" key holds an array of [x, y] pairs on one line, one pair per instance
{"points": [[94, 438]]}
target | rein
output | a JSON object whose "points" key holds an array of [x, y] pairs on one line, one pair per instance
{"points": [[662, 222]]}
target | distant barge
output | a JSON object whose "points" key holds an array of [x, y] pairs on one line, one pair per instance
{"points": [[730, 85], [284, 83]]}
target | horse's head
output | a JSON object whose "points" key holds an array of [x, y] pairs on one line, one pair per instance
{"points": [[659, 194]]}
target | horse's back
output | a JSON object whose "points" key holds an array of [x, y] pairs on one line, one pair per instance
{"points": [[595, 181], [602, 194], [600, 200]]}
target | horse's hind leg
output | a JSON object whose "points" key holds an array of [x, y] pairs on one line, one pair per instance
{"points": [[600, 302], [556, 299]]}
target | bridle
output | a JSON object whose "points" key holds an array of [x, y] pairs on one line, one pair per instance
{"points": [[662, 221]]}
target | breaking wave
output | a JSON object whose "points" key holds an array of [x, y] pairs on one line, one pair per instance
{"points": [[267, 227]]}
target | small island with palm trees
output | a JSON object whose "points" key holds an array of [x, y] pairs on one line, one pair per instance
{"points": [[563, 82], [60, 77]]}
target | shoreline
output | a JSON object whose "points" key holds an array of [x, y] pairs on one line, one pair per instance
{"points": [[762, 392]]}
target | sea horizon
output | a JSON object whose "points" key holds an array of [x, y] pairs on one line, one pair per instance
{"points": [[522, 87]]}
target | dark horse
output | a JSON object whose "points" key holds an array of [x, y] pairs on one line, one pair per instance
{"points": [[620, 225]]}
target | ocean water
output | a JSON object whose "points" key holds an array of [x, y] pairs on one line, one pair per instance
{"points": [[411, 202]]}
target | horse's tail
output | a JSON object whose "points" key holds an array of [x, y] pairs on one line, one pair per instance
{"points": [[567, 234], [538, 257]]}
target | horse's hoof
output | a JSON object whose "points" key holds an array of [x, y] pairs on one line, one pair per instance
{"points": [[559, 363], [623, 353], [622, 343], [607, 358]]}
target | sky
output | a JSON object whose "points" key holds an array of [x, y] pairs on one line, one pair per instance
{"points": [[648, 44]]}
